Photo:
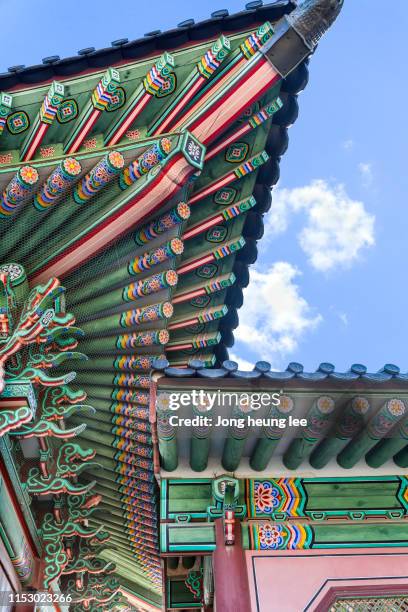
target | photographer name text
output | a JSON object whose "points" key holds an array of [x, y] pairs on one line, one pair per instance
{"points": [[240, 422]]}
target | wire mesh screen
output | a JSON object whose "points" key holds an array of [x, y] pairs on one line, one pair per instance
{"points": [[371, 604]]}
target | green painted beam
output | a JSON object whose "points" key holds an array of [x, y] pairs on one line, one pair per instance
{"points": [[401, 458], [183, 538], [388, 447], [328, 535]]}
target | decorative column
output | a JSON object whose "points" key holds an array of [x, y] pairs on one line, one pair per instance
{"points": [[319, 420], [230, 573], [378, 427], [272, 434], [350, 423]]}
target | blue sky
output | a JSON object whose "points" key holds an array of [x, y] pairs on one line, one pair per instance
{"points": [[332, 265]]}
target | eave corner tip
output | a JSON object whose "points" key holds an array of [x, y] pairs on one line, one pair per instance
{"points": [[312, 18]]}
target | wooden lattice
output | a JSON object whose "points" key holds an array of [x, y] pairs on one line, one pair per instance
{"points": [[371, 604]]}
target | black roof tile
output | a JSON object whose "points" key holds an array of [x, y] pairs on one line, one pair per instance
{"points": [[186, 31]]}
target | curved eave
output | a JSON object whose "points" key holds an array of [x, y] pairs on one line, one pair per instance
{"points": [[267, 177]]}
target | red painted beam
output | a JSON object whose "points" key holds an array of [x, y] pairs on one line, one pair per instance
{"points": [[223, 112]]}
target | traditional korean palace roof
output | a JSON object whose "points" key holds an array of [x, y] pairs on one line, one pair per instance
{"points": [[152, 43], [352, 419], [289, 461], [138, 176]]}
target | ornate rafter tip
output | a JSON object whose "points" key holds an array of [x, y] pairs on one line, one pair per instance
{"points": [[145, 162], [163, 224], [100, 176], [5, 107], [156, 76], [255, 41], [162, 253], [58, 183], [18, 190], [210, 61], [52, 101], [106, 88]]}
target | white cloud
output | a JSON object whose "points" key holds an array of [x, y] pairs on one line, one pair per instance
{"points": [[366, 171], [274, 316], [343, 318], [348, 144], [243, 364], [278, 218], [337, 227]]}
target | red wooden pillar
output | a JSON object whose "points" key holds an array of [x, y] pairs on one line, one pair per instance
{"points": [[231, 585]]}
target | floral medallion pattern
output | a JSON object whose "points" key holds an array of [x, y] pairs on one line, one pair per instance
{"points": [[284, 497]]}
